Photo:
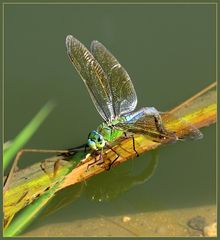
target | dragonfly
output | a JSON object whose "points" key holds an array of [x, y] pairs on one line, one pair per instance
{"points": [[115, 99]]}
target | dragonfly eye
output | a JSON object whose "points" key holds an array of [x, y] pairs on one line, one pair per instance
{"points": [[95, 140], [100, 138], [92, 144]]}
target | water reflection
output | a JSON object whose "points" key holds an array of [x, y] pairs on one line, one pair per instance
{"points": [[106, 186]]}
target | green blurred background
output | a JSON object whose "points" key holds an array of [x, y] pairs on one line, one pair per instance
{"points": [[169, 53]]}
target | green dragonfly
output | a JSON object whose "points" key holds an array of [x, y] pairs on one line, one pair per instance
{"points": [[115, 99]]}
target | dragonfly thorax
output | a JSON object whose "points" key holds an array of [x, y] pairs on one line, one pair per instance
{"points": [[110, 131], [106, 132]]}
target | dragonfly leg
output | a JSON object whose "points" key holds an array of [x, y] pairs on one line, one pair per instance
{"points": [[109, 146], [101, 155], [90, 165], [18, 156], [133, 142], [101, 161], [96, 162]]}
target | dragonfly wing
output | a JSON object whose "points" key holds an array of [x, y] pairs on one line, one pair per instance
{"points": [[146, 125], [124, 99], [183, 129], [93, 76], [171, 129]]}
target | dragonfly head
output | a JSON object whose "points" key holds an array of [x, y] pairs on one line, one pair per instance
{"points": [[95, 140]]}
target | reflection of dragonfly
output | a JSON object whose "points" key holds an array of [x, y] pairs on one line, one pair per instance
{"points": [[114, 97], [102, 188]]}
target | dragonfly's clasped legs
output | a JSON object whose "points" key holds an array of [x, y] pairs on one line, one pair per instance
{"points": [[102, 161], [96, 162]]}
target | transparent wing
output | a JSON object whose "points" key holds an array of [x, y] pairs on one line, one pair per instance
{"points": [[183, 129], [124, 99], [93, 76], [146, 126], [170, 129]]}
